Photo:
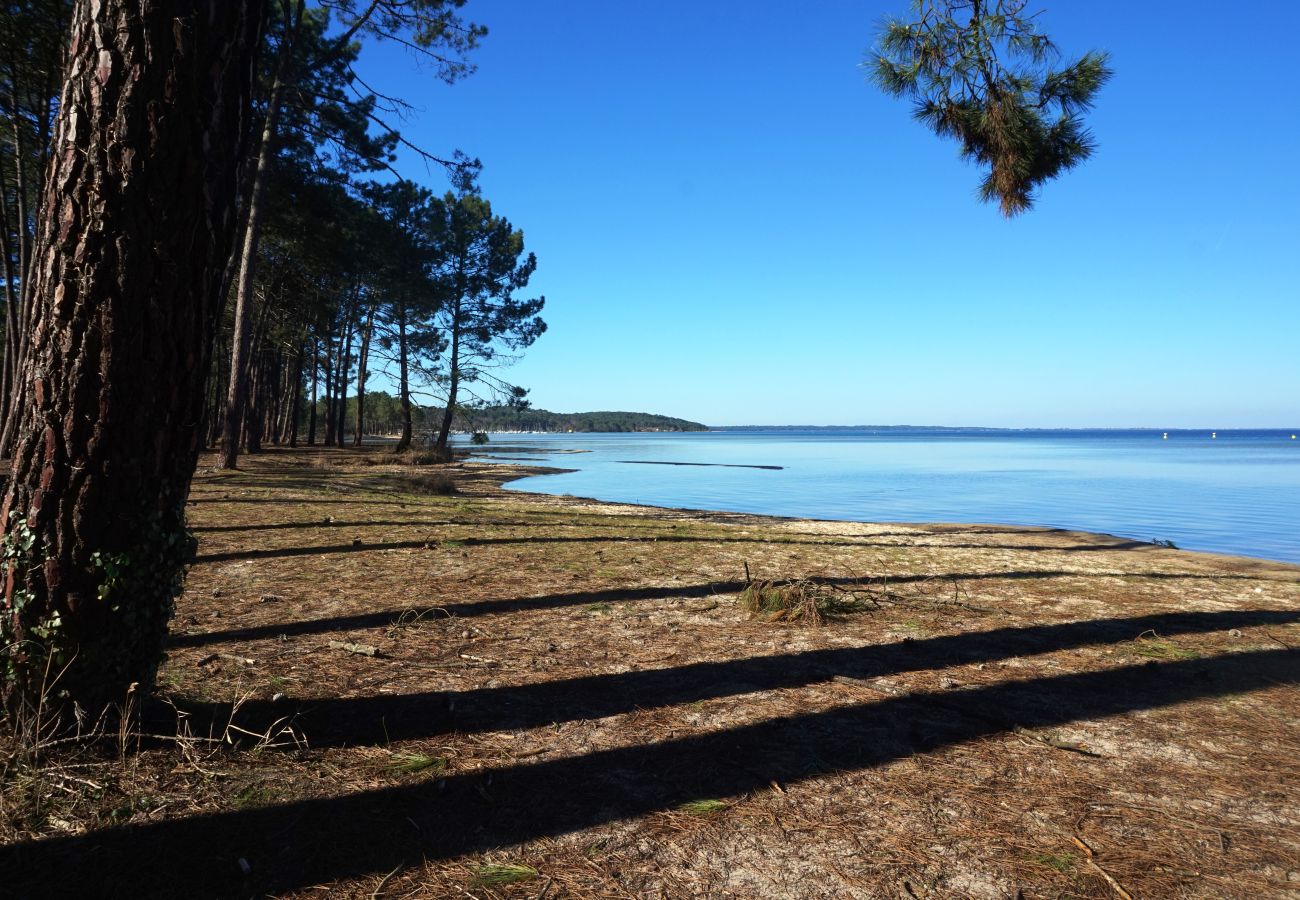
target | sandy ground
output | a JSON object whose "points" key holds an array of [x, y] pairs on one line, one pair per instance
{"points": [[374, 690]]}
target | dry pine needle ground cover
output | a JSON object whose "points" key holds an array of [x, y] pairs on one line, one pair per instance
{"points": [[376, 690]]}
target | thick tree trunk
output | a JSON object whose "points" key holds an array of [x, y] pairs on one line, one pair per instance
{"points": [[134, 228]]}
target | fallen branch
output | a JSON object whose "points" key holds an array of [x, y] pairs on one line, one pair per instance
{"points": [[1118, 888], [1058, 743], [356, 649]]}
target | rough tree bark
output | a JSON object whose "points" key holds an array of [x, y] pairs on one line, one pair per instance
{"points": [[135, 225]]}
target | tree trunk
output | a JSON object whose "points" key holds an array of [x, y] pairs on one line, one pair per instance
{"points": [[403, 381], [329, 389], [363, 360], [453, 363], [135, 222], [237, 392], [311, 410], [295, 397], [341, 376]]}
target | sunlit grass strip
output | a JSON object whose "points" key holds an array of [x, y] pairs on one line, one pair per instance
{"points": [[702, 807], [411, 763], [494, 874]]}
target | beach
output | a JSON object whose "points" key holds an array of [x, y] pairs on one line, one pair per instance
{"points": [[392, 691]]}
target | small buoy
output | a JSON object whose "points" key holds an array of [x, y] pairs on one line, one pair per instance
{"points": [[1214, 435], [1293, 437], [1165, 436]]}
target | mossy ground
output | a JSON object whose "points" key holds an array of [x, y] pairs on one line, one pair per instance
{"points": [[557, 685]]}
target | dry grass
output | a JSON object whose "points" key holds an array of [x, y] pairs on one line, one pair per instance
{"points": [[577, 693]]}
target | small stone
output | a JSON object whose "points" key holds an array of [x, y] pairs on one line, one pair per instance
{"points": [[1236, 632], [277, 697], [356, 542], [464, 635], [216, 592], [271, 598]]}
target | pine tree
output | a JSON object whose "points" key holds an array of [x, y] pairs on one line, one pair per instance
{"points": [[133, 231], [981, 72]]}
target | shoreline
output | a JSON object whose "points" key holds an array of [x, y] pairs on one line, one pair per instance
{"points": [[530, 471]]}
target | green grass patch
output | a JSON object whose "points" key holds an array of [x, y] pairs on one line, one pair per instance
{"points": [[1061, 862], [411, 763], [703, 807], [255, 795], [1153, 647], [598, 608], [495, 874]]}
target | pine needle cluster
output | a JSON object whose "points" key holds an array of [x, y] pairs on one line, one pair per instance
{"points": [[981, 72]]}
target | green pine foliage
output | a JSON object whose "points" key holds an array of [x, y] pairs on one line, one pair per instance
{"points": [[981, 72]]}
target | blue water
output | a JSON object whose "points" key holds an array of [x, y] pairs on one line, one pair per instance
{"points": [[1238, 493]]}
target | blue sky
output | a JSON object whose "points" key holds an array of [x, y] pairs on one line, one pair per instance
{"points": [[732, 226]]}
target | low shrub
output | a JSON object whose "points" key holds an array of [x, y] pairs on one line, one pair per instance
{"points": [[796, 602], [433, 483]]}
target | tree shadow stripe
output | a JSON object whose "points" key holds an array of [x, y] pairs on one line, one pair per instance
{"points": [[315, 841]]}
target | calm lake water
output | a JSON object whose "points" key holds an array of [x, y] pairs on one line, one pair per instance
{"points": [[1238, 493]]}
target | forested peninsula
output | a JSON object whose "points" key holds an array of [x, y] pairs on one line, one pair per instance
{"points": [[505, 418]]}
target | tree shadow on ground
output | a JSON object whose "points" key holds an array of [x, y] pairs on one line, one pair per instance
{"points": [[360, 546], [301, 843], [377, 719]]}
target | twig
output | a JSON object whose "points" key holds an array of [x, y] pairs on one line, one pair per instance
{"points": [[1276, 640], [383, 881], [1115, 885]]}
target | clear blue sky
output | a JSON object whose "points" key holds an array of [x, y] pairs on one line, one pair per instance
{"points": [[733, 227]]}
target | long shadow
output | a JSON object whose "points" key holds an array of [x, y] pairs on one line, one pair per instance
{"points": [[366, 547], [462, 610], [280, 501], [810, 541], [475, 608], [292, 845], [803, 537], [378, 719], [413, 523]]}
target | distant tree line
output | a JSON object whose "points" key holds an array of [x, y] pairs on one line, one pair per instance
{"points": [[382, 415], [511, 418]]}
